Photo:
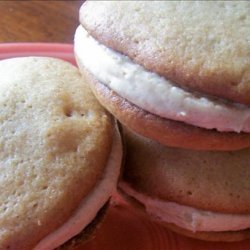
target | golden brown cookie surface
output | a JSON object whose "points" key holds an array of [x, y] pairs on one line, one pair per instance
{"points": [[208, 180], [55, 142], [202, 46]]}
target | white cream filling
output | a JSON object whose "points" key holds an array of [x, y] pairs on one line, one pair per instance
{"points": [[186, 217], [91, 204], [154, 93]]}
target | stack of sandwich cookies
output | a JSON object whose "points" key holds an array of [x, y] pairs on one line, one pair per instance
{"points": [[176, 73], [60, 154]]}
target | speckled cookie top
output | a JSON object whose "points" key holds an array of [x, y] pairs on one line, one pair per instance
{"points": [[209, 180], [200, 45], [55, 141]]}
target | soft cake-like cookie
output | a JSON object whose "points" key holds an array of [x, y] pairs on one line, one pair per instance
{"points": [[202, 194], [185, 62], [60, 154]]}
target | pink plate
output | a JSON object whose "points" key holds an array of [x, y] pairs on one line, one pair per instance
{"points": [[124, 227]]}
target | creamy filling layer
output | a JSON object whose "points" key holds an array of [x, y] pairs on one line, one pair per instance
{"points": [[186, 217], [156, 94], [91, 204]]}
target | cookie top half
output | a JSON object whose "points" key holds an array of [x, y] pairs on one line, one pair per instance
{"points": [[200, 46], [207, 180], [55, 141]]}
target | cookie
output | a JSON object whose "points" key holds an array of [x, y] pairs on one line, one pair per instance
{"points": [[159, 61], [202, 46], [60, 153], [202, 194]]}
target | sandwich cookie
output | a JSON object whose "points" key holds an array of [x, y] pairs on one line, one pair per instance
{"points": [[60, 154], [176, 72], [201, 194]]}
